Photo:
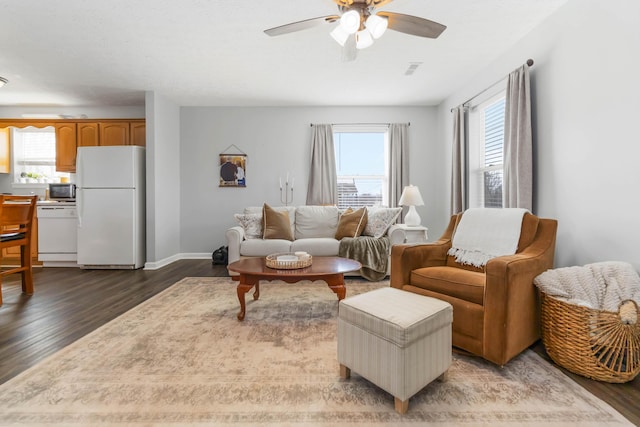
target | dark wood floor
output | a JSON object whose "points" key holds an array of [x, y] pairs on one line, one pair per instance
{"points": [[69, 303]]}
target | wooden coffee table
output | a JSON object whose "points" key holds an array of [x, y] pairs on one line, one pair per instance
{"points": [[330, 269]]}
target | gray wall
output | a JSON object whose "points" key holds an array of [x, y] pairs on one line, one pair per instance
{"points": [[276, 140], [163, 180], [585, 89]]}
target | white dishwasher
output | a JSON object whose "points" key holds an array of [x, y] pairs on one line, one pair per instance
{"points": [[57, 234]]}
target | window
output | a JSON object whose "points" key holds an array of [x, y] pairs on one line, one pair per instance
{"points": [[486, 146], [362, 155], [34, 155]]}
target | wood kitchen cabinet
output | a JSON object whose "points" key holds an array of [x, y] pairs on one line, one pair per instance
{"points": [[139, 133], [114, 133], [88, 135], [66, 147], [123, 133], [70, 135], [111, 133]]}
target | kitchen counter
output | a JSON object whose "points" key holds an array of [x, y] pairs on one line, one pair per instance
{"points": [[54, 203]]}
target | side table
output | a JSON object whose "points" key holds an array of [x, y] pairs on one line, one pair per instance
{"points": [[402, 233]]}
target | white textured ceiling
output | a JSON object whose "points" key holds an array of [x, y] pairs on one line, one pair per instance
{"points": [[214, 52]]}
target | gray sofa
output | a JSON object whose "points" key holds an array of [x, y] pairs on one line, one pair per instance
{"points": [[313, 228]]}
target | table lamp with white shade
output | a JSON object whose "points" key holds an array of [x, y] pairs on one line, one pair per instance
{"points": [[411, 197]]}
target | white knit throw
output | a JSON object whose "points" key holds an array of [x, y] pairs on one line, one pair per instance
{"points": [[600, 286], [485, 233]]}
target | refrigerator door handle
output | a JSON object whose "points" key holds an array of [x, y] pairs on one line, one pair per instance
{"points": [[79, 206], [79, 168]]}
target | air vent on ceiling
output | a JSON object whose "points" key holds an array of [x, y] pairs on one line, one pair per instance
{"points": [[412, 68]]}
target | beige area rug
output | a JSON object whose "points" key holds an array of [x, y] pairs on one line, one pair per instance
{"points": [[182, 358]]}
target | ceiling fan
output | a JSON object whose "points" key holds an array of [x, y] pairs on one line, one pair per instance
{"points": [[360, 24]]}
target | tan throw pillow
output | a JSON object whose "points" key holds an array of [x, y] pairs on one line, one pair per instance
{"points": [[351, 223], [275, 225]]}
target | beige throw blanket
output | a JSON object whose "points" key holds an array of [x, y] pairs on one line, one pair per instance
{"points": [[371, 252], [485, 233]]}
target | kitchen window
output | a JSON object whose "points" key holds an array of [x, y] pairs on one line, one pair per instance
{"points": [[362, 156], [486, 146], [34, 155]]}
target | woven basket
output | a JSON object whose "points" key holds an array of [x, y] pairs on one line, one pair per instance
{"points": [[597, 344], [299, 262]]}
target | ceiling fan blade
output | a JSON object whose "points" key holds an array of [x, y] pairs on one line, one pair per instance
{"points": [[413, 25], [368, 3], [300, 25], [379, 3]]}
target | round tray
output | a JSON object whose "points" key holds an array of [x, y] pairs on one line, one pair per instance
{"points": [[288, 261]]}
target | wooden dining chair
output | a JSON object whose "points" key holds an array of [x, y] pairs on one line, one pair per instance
{"points": [[17, 214]]}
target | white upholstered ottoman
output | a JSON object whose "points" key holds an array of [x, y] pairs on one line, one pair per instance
{"points": [[398, 340]]}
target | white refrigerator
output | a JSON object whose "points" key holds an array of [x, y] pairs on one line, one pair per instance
{"points": [[110, 197]]}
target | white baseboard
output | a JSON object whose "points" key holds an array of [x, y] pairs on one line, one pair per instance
{"points": [[59, 264], [173, 258]]}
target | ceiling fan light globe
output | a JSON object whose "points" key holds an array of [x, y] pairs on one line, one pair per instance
{"points": [[340, 35], [350, 21], [377, 25], [363, 39]]}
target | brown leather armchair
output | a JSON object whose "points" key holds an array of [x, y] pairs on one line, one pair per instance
{"points": [[496, 312]]}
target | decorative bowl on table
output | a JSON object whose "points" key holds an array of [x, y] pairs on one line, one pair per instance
{"points": [[289, 260]]}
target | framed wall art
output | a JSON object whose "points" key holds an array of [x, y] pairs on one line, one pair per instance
{"points": [[233, 169]]}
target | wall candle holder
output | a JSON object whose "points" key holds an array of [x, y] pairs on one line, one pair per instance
{"points": [[287, 191]]}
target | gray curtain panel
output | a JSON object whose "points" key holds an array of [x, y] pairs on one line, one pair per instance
{"points": [[323, 179], [459, 199], [517, 185], [398, 161]]}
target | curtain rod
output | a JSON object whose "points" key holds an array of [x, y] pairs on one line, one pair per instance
{"points": [[362, 124], [529, 63]]}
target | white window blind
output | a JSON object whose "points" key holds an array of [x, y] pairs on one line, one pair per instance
{"points": [[36, 147], [493, 153], [486, 152], [34, 155]]}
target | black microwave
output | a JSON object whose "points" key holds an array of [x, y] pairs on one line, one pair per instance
{"points": [[64, 192]]}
